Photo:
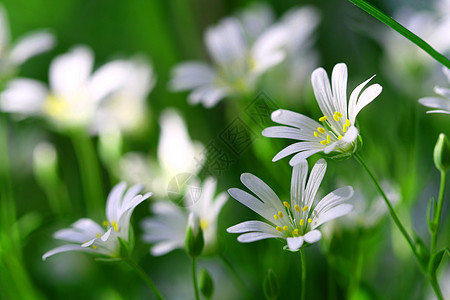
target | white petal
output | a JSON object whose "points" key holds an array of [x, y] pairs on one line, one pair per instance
{"points": [[434, 102], [24, 96], [130, 194], [108, 78], [314, 181], [294, 243], [65, 248], [254, 226], [287, 117], [262, 190], [70, 72], [339, 82], [165, 247], [442, 91], [322, 91], [297, 147], [351, 135], [255, 236], [298, 181], [331, 214], [71, 235], [252, 203], [302, 156], [353, 100], [208, 95], [313, 236], [365, 98], [190, 75], [114, 202], [31, 45], [88, 227], [285, 132], [438, 112]]}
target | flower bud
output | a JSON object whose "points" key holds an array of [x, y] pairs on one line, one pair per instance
{"points": [[194, 241], [442, 153], [206, 284], [270, 285]]}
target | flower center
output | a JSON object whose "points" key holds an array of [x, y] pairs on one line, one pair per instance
{"points": [[332, 134]]}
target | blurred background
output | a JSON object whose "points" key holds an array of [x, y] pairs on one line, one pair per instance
{"points": [[398, 137]]}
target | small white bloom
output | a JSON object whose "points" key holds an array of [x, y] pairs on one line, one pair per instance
{"points": [[13, 55], [442, 105], [87, 235], [166, 229], [336, 133], [297, 221], [238, 61]]}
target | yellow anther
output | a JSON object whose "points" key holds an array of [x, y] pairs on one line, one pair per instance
{"points": [[305, 208], [275, 217], [295, 231], [105, 223], [302, 222], [114, 225], [323, 119], [340, 137], [285, 228], [286, 204], [336, 118], [324, 142], [328, 139], [204, 223], [280, 214], [309, 220], [95, 247], [98, 235], [279, 228], [338, 114], [344, 128], [316, 134], [347, 122], [321, 129], [297, 208]]}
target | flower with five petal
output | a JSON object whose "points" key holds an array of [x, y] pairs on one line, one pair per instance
{"points": [[441, 105], [336, 134], [297, 221], [88, 236]]}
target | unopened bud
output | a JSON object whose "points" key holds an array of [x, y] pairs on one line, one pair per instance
{"points": [[194, 242], [442, 153], [206, 284]]}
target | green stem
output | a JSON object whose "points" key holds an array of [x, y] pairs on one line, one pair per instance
{"points": [[391, 209], [303, 286], [144, 277], [90, 173], [435, 285], [437, 216], [375, 12], [236, 277], [194, 277]]}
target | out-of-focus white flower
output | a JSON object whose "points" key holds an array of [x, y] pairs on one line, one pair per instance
{"points": [[79, 98], [166, 229], [177, 154], [12, 55], [337, 133], [441, 105], [296, 222], [238, 61], [87, 235]]}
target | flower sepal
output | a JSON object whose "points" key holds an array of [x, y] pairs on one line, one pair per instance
{"points": [[109, 260], [125, 248], [423, 253], [194, 242]]}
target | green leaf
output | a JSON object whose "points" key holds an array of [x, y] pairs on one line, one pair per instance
{"points": [[423, 253], [436, 260], [206, 284], [270, 285]]}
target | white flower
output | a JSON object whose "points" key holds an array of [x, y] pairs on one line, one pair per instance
{"points": [[177, 154], [442, 105], [238, 62], [336, 133], [297, 221], [79, 98], [13, 55], [87, 235], [166, 229]]}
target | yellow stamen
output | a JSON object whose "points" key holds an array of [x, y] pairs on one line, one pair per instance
{"points": [[204, 223], [95, 247], [305, 208], [295, 231], [309, 220], [302, 222], [323, 119], [279, 228], [98, 235], [280, 214], [324, 142], [340, 137], [297, 208], [275, 217], [316, 134], [336, 118], [344, 128], [347, 122], [328, 139], [338, 114], [286, 204], [321, 129], [285, 228], [105, 223], [114, 225]]}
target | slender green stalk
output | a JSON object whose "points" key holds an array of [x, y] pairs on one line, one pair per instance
{"points": [[144, 277], [303, 286], [391, 209], [90, 173], [438, 213], [375, 12], [236, 277], [435, 285], [194, 278]]}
